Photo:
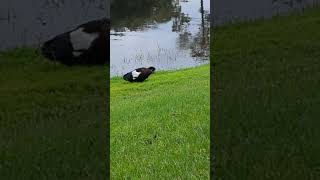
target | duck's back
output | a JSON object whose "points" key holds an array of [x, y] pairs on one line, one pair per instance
{"points": [[144, 73]]}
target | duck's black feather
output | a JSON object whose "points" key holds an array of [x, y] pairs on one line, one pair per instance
{"points": [[60, 47], [143, 72]]}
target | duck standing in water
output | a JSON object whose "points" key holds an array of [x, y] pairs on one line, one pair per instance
{"points": [[139, 75]]}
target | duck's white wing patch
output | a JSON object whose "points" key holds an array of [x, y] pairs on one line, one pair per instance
{"points": [[135, 74], [82, 40]]}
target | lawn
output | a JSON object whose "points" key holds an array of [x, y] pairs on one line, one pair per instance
{"points": [[52, 118], [266, 98], [160, 128]]}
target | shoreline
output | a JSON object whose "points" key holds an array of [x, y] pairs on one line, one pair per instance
{"points": [[166, 71]]}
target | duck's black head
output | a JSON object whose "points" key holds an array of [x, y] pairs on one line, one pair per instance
{"points": [[152, 68]]}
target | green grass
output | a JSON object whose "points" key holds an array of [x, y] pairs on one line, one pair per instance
{"points": [[52, 119], [160, 128], [266, 98]]}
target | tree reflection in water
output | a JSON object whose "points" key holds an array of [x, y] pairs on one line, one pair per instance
{"points": [[141, 15]]}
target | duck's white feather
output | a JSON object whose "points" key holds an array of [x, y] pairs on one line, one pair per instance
{"points": [[82, 40], [135, 74]]}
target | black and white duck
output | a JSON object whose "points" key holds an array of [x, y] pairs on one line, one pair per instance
{"points": [[139, 75]]}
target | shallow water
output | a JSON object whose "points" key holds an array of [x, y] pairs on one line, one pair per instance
{"points": [[225, 11], [28, 23], [172, 35]]}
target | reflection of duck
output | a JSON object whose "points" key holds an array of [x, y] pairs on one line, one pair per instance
{"points": [[139, 75], [86, 44]]}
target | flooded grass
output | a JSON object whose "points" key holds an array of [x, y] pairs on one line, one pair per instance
{"points": [[52, 118], [160, 128], [266, 100], [168, 58]]}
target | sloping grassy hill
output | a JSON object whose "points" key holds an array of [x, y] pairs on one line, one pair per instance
{"points": [[160, 128], [52, 119], [266, 98]]}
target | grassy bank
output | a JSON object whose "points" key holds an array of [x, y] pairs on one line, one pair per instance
{"points": [[52, 119], [160, 128], [266, 98]]}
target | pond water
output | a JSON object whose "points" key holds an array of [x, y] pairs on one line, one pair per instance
{"points": [[225, 11], [28, 23], [166, 34]]}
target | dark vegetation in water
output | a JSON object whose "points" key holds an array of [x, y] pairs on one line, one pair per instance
{"points": [[137, 14], [140, 14]]}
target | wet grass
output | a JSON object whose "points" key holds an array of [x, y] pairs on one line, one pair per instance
{"points": [[160, 128], [52, 119], [266, 98]]}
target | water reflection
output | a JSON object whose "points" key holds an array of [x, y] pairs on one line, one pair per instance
{"points": [[167, 34], [225, 11], [28, 23]]}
